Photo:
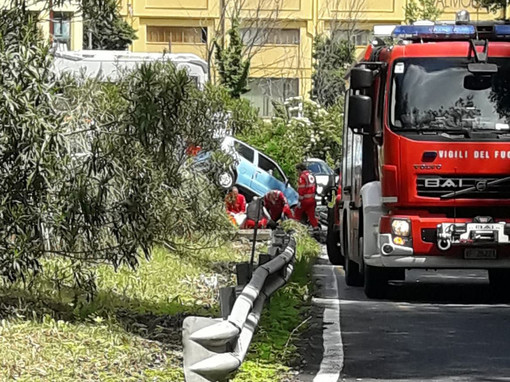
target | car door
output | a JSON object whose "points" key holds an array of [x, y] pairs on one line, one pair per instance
{"points": [[246, 164], [291, 194], [262, 180], [269, 176]]}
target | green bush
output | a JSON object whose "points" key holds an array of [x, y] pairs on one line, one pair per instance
{"points": [[240, 117], [103, 26]]}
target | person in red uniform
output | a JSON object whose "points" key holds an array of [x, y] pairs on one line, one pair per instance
{"points": [[277, 207], [235, 203], [306, 191]]}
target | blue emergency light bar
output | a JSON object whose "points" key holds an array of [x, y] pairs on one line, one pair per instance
{"points": [[502, 31], [435, 32]]}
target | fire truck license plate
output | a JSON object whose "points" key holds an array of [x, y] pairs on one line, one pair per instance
{"points": [[480, 253]]}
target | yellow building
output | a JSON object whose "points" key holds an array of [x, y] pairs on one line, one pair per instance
{"points": [[62, 25], [278, 33]]}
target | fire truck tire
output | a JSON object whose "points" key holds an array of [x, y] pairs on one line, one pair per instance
{"points": [[333, 241], [376, 281], [499, 278], [353, 276]]}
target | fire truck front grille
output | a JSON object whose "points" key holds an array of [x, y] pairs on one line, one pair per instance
{"points": [[467, 187]]}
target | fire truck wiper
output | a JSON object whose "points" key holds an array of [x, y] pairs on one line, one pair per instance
{"points": [[437, 130], [446, 131], [473, 188]]}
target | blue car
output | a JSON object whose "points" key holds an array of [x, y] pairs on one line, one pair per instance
{"points": [[254, 172]]}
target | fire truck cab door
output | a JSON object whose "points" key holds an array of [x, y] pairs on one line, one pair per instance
{"points": [[347, 159], [352, 167]]}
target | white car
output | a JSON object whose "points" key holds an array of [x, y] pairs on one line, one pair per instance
{"points": [[325, 177]]}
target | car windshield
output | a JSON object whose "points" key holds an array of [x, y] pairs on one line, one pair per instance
{"points": [[441, 94], [319, 168]]}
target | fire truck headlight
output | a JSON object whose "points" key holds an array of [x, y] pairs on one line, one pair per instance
{"points": [[400, 227]]}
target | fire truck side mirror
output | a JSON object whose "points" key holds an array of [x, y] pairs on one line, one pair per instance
{"points": [[361, 78], [360, 113]]}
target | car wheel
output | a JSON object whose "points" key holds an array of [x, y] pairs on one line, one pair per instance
{"points": [[226, 180], [333, 241]]}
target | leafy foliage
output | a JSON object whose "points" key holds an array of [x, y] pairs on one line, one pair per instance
{"points": [[103, 26], [232, 68], [240, 116], [138, 156], [423, 10], [31, 142], [332, 57], [97, 172]]}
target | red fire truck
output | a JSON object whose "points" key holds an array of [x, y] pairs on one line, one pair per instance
{"points": [[426, 164]]}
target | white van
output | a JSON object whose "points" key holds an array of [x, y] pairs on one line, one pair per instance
{"points": [[109, 65]]}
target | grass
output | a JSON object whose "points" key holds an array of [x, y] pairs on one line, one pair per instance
{"points": [[51, 350], [131, 331]]}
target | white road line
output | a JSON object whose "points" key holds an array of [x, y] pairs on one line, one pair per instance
{"points": [[333, 357], [413, 305], [325, 301]]}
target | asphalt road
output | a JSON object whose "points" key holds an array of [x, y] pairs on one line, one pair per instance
{"points": [[435, 326]]}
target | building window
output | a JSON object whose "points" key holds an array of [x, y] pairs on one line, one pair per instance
{"points": [[177, 35], [260, 36], [263, 91], [357, 37], [61, 24]]}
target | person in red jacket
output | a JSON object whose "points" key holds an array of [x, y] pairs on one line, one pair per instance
{"points": [[235, 203], [277, 207], [306, 191]]}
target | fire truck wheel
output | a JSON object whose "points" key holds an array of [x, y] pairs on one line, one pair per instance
{"points": [[376, 281], [499, 278], [333, 241], [353, 276]]}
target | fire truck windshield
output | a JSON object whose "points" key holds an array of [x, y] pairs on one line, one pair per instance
{"points": [[440, 94]]}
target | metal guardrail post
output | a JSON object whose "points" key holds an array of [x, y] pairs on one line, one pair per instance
{"points": [[227, 299], [214, 348], [243, 273]]}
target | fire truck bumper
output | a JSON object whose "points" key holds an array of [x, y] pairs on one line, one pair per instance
{"points": [[433, 262], [469, 256]]}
